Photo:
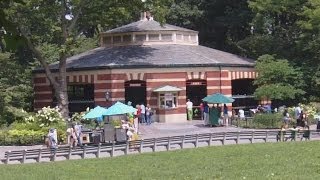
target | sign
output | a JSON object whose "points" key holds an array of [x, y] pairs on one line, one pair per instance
{"points": [[135, 85], [168, 96], [196, 83]]}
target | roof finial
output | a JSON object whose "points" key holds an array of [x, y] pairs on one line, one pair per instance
{"points": [[143, 16]]}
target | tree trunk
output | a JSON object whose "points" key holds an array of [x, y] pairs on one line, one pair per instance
{"points": [[62, 94]]}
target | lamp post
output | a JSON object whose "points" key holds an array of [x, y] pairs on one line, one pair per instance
{"points": [[107, 95]]}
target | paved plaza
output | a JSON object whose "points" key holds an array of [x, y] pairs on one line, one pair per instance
{"points": [[190, 127]]}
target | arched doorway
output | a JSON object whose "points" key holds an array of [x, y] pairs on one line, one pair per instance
{"points": [[242, 93], [135, 92], [196, 90]]}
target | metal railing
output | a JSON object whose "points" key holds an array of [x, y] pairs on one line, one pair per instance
{"points": [[169, 143]]}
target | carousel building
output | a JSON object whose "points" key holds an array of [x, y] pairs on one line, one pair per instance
{"points": [[145, 62]]}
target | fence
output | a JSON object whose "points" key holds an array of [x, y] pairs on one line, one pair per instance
{"points": [[155, 144]]}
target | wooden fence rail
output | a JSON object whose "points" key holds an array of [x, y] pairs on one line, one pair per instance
{"points": [[40, 155]]}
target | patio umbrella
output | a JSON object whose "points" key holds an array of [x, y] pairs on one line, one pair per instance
{"points": [[95, 113], [218, 98], [119, 108]]}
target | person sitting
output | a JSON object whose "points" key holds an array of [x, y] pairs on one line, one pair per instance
{"points": [[124, 124]]}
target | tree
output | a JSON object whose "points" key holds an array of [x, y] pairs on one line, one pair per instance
{"points": [[15, 88], [56, 24], [277, 80]]}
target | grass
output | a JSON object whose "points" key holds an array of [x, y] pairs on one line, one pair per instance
{"points": [[292, 160]]}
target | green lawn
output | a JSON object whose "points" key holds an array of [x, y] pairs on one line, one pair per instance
{"points": [[294, 160]]}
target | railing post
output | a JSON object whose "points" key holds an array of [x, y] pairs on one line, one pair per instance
{"points": [[154, 145], [197, 140], [8, 157], [295, 135], [281, 136], [127, 148], [224, 138], [252, 137], [84, 151], [210, 140], [141, 146], [182, 141], [310, 133], [169, 141], [238, 122], [69, 153], [98, 151], [39, 155], [112, 149], [238, 137], [267, 136], [24, 156]]}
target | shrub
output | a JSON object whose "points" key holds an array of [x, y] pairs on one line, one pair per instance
{"points": [[267, 120], [115, 123]]}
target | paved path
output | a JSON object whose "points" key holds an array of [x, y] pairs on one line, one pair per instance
{"points": [[191, 127]]}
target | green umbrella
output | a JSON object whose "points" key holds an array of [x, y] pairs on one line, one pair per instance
{"points": [[218, 98], [118, 109], [95, 113]]}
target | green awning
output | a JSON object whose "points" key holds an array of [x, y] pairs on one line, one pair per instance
{"points": [[167, 88], [218, 98]]}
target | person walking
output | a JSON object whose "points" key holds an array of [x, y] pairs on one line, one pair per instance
{"points": [[225, 115], [148, 114], [189, 109], [201, 110], [78, 132], [286, 118], [53, 144], [143, 113], [206, 114], [138, 112]]}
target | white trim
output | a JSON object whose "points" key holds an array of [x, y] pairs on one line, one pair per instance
{"points": [[155, 98], [110, 81], [216, 79], [167, 80], [151, 89], [218, 87]]}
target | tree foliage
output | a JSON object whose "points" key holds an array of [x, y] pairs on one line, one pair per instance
{"points": [[39, 32], [51, 29], [277, 80], [15, 89]]}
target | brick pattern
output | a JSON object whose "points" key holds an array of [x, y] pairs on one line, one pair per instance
{"points": [[217, 81]]}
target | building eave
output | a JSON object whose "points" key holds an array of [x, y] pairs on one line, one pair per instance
{"points": [[148, 66]]}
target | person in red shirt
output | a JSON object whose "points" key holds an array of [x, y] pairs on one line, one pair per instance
{"points": [[202, 110], [138, 112]]}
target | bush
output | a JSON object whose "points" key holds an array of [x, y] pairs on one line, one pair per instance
{"points": [[267, 120], [115, 123], [34, 127]]}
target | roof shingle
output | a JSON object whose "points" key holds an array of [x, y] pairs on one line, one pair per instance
{"points": [[153, 56]]}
